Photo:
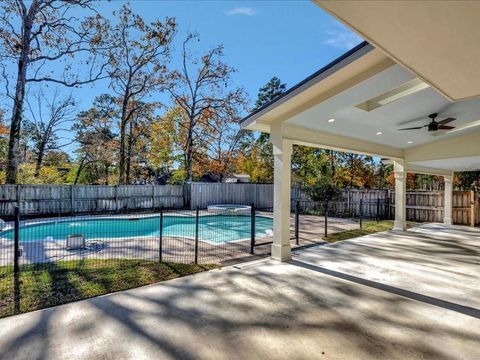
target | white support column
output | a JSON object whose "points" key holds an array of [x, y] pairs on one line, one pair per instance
{"points": [[282, 152], [448, 203], [400, 196]]}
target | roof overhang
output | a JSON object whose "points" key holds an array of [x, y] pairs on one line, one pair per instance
{"points": [[436, 40], [354, 66], [358, 103]]}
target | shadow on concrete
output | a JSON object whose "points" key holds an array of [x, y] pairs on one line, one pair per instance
{"points": [[465, 310]]}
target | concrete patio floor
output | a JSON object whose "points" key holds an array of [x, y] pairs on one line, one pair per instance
{"points": [[411, 295]]}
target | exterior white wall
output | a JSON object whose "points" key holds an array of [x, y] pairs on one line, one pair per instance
{"points": [[282, 152], [400, 196], [448, 203]]}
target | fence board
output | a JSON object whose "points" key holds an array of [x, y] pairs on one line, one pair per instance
{"points": [[422, 206]]}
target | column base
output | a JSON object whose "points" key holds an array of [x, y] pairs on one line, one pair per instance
{"points": [[447, 222], [281, 252], [399, 225]]}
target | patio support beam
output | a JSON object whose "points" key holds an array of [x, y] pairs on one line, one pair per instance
{"points": [[448, 201], [400, 195], [319, 139], [282, 152]]}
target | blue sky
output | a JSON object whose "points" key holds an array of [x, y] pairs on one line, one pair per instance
{"points": [[262, 39]]}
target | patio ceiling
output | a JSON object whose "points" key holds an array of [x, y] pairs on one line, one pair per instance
{"points": [[436, 40], [359, 101]]}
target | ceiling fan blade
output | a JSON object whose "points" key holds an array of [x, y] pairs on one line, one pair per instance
{"points": [[445, 127], [414, 128], [446, 121]]}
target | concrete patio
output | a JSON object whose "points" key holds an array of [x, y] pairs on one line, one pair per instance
{"points": [[393, 295]]}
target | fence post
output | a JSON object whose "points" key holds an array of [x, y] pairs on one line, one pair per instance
{"points": [[326, 219], [160, 244], [378, 209], [72, 200], [196, 234], [16, 245], [472, 208], [297, 222], [388, 210], [153, 197], [252, 229], [16, 267], [349, 205], [116, 198], [361, 213]]}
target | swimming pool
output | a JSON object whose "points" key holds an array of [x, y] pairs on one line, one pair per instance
{"points": [[216, 229]]}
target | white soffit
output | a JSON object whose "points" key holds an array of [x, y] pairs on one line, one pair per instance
{"points": [[380, 125], [471, 163], [436, 40]]}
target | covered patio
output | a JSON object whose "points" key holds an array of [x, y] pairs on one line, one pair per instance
{"points": [[393, 97], [410, 295]]}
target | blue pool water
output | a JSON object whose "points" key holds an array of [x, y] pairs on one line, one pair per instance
{"points": [[215, 228]]}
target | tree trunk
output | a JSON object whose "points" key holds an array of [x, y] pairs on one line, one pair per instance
{"points": [[80, 168], [38, 165], [107, 170], [17, 114], [129, 153], [123, 125], [189, 157]]}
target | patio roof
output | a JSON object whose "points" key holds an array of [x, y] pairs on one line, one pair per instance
{"points": [[436, 40], [359, 102]]}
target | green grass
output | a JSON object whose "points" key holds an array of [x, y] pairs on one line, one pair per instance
{"points": [[45, 285], [369, 227]]}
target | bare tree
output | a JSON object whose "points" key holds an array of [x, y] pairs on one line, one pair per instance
{"points": [[39, 37], [138, 60], [47, 119], [199, 89]]}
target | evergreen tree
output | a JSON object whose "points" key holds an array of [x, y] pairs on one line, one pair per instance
{"points": [[261, 149], [270, 91]]}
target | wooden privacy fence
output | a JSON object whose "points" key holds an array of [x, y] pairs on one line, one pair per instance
{"points": [[422, 206], [204, 194], [59, 199], [428, 206]]}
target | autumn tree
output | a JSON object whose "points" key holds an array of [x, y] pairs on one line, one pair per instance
{"points": [[96, 139], [3, 140], [223, 140], [138, 67], [164, 141], [46, 119], [38, 37], [201, 89]]}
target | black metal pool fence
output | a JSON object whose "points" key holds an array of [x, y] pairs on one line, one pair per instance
{"points": [[163, 235]]}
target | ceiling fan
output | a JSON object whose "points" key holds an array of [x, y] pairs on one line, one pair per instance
{"points": [[434, 125]]}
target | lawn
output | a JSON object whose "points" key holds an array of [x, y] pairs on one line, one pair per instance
{"points": [[45, 285], [369, 227]]}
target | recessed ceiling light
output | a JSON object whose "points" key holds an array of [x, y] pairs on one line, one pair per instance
{"points": [[379, 133], [410, 142], [331, 120]]}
